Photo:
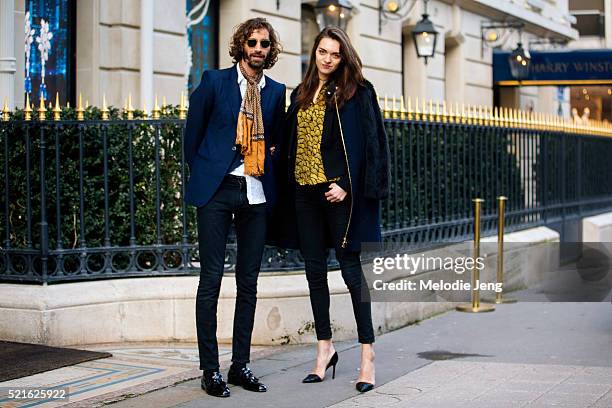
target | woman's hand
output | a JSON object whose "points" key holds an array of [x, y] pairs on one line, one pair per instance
{"points": [[335, 194]]}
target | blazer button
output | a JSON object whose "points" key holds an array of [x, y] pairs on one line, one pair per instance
{"points": [[234, 148]]}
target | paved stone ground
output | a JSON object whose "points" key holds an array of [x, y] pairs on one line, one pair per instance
{"points": [[522, 355], [525, 354]]}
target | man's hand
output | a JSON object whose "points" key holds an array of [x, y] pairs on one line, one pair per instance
{"points": [[335, 194], [272, 149]]}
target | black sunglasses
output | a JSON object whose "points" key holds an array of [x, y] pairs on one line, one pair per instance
{"points": [[251, 42]]}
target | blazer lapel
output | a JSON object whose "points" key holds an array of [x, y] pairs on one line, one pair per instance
{"points": [[266, 96], [232, 93]]}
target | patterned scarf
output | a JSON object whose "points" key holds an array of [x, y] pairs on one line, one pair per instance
{"points": [[250, 129]]}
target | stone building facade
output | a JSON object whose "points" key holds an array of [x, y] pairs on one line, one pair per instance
{"points": [[138, 47]]}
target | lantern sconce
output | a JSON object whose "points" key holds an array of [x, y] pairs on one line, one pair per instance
{"points": [[495, 34], [333, 13]]}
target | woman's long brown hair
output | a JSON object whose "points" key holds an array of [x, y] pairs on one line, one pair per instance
{"points": [[347, 77]]}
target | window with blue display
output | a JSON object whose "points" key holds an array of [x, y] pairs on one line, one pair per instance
{"points": [[49, 49], [202, 37]]}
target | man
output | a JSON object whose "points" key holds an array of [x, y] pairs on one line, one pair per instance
{"points": [[234, 119]]}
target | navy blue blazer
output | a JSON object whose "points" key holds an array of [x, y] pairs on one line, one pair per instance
{"points": [[210, 133]]}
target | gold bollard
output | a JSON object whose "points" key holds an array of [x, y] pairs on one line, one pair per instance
{"points": [[501, 200], [475, 306]]}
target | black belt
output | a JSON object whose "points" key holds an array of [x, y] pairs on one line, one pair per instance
{"points": [[234, 177]]}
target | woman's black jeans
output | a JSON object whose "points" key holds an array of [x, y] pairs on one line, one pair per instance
{"points": [[316, 218]]}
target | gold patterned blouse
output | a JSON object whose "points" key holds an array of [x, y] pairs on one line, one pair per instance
{"points": [[308, 160]]}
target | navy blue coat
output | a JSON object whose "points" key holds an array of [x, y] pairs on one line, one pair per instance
{"points": [[367, 150], [210, 133]]}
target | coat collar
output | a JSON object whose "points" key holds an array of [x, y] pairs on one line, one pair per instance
{"points": [[231, 91]]}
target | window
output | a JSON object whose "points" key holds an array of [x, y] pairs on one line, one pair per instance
{"points": [[589, 17], [49, 28], [202, 37], [310, 30], [589, 23]]}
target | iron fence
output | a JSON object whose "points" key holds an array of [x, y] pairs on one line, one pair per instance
{"points": [[98, 194]]}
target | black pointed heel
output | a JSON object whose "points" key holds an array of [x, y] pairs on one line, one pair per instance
{"points": [[313, 378], [332, 362], [364, 386]]}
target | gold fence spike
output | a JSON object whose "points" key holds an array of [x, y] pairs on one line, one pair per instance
{"points": [[57, 111], [457, 116], [444, 112], [431, 111], [156, 111], [529, 119], [130, 108], [5, 110], [438, 117], [470, 114], [410, 112], [42, 111], [28, 109], [80, 111], [402, 108], [394, 110], [105, 112], [182, 107], [417, 112], [386, 108]]}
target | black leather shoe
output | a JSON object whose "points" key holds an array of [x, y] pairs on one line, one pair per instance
{"points": [[364, 386], [213, 384], [313, 378], [244, 377]]}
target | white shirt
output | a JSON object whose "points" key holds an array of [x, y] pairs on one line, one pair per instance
{"points": [[254, 188]]}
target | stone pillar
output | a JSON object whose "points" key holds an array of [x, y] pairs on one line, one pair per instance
{"points": [[415, 72], [147, 13], [8, 63], [454, 60]]}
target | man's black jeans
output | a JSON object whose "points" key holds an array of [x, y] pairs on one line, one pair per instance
{"points": [[315, 217], [214, 220]]}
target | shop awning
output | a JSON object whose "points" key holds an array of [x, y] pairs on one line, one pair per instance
{"points": [[567, 67]]}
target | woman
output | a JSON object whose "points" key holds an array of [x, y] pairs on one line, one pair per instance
{"points": [[334, 161]]}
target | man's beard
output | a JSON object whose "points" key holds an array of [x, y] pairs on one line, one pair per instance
{"points": [[255, 64]]}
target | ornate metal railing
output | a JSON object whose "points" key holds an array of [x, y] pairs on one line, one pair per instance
{"points": [[97, 193]]}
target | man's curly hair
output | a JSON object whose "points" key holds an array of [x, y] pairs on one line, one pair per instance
{"points": [[242, 34]]}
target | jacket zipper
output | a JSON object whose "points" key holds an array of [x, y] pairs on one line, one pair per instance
{"points": [[348, 169]]}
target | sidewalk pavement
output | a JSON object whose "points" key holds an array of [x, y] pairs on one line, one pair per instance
{"points": [[521, 355]]}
